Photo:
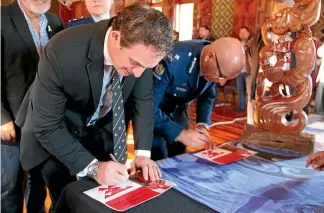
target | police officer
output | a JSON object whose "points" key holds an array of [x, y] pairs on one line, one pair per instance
{"points": [[189, 72], [98, 9]]}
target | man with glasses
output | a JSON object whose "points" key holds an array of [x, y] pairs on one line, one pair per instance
{"points": [[190, 72]]}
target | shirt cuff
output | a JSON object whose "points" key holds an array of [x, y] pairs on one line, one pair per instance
{"points": [[145, 153], [84, 172], [206, 125]]}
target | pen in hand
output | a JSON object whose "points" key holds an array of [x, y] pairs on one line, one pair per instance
{"points": [[114, 159], [210, 144]]}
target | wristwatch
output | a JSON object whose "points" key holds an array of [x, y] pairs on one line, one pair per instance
{"points": [[93, 170]]}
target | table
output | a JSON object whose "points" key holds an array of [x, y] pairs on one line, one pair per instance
{"points": [[254, 185], [73, 200]]}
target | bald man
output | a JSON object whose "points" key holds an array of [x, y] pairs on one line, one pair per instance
{"points": [[190, 72]]}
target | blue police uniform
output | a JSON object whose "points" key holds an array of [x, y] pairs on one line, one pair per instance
{"points": [[76, 22], [178, 81]]}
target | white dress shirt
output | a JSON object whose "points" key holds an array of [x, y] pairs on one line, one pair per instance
{"points": [[106, 79]]}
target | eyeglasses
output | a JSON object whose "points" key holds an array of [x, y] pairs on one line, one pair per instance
{"points": [[221, 76]]}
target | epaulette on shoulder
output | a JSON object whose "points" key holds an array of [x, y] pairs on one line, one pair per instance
{"points": [[76, 20]]}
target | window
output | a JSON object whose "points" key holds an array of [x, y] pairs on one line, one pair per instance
{"points": [[184, 21]]}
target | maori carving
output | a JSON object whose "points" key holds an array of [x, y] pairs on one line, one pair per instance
{"points": [[270, 128], [270, 110]]}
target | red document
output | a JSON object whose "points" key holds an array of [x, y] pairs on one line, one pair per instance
{"points": [[225, 154], [130, 193]]}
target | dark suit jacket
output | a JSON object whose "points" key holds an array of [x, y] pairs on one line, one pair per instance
{"points": [[19, 58], [66, 93], [80, 21]]}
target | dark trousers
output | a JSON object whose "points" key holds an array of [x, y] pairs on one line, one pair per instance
{"points": [[319, 100], [162, 149], [54, 175], [35, 194], [241, 87]]}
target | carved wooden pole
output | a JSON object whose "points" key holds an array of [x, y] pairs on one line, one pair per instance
{"points": [[272, 130]]}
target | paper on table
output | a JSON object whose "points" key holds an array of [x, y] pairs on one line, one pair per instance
{"points": [[128, 194], [225, 154]]}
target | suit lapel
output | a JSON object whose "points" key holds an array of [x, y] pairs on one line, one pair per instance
{"points": [[95, 67], [49, 27], [20, 22], [128, 83], [95, 71]]}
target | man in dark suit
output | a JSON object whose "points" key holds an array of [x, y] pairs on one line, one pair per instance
{"points": [[99, 10], [87, 77], [189, 72], [25, 29]]}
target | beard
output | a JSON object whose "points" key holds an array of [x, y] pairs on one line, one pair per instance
{"points": [[40, 10]]}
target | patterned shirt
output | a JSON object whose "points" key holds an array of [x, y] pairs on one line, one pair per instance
{"points": [[42, 39]]}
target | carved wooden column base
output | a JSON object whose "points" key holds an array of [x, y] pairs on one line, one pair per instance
{"points": [[293, 142]]}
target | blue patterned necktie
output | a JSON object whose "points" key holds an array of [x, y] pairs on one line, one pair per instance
{"points": [[119, 127]]}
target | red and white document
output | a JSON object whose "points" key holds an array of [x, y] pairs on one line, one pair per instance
{"points": [[225, 154], [130, 193]]}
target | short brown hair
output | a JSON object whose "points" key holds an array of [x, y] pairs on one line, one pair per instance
{"points": [[176, 33], [206, 27], [139, 24]]}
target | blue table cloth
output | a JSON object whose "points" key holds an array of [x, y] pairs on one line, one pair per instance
{"points": [[254, 185]]}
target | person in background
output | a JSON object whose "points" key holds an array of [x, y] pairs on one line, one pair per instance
{"points": [[316, 160], [252, 65], [26, 27], [98, 9], [175, 36], [77, 108], [245, 38], [189, 72], [205, 34], [319, 97]]}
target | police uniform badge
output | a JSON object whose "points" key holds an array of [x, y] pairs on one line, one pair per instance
{"points": [[159, 70]]}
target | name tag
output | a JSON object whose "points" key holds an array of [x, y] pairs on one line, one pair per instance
{"points": [[181, 89]]}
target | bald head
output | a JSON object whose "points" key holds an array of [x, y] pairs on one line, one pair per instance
{"points": [[223, 58]]}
